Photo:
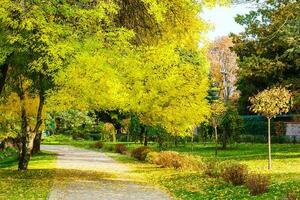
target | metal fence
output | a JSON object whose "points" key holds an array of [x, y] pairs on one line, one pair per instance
{"points": [[255, 128]]}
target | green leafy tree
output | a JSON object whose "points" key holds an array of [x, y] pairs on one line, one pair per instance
{"points": [[232, 124], [77, 122], [269, 49], [269, 103], [135, 127]]}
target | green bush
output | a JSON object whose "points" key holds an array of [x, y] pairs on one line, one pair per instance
{"points": [[235, 174], [80, 136], [57, 139], [97, 145], [120, 148], [109, 147], [174, 159], [257, 183], [95, 136], [140, 153], [8, 152]]}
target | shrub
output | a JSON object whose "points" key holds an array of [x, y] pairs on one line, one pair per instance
{"points": [[109, 147], [97, 145], [292, 195], [257, 183], [235, 174], [152, 157], [167, 159], [140, 153], [212, 168], [174, 159], [120, 148], [8, 152]]}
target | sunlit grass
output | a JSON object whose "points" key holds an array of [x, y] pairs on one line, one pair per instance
{"points": [[285, 174]]}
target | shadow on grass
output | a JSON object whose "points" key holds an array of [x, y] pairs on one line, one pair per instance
{"points": [[37, 183], [13, 161], [9, 162]]}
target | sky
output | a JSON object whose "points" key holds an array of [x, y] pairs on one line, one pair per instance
{"points": [[223, 19]]}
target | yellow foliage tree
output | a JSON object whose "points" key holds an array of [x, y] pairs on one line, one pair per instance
{"points": [[269, 103]]}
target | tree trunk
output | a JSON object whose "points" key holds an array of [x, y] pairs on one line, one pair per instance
{"points": [[216, 137], [37, 143], [3, 74], [145, 140], [224, 139], [39, 121], [269, 143], [128, 138], [26, 138], [114, 137], [142, 135], [193, 142], [26, 148]]}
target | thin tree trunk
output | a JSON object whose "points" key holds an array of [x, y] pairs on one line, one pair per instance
{"points": [[224, 141], [269, 143], [142, 135], [145, 139], [216, 137], [114, 136], [3, 74], [193, 142]]}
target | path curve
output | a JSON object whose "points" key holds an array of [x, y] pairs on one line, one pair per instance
{"points": [[113, 189]]}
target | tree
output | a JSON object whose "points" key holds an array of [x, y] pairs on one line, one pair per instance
{"points": [[268, 49], [231, 125], [269, 103], [223, 75], [105, 55], [155, 71], [223, 67], [36, 38], [217, 109], [110, 131]]}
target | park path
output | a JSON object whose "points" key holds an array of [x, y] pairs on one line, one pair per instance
{"points": [[72, 158]]}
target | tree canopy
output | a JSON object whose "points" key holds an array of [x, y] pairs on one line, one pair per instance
{"points": [[268, 49], [271, 102], [154, 69]]}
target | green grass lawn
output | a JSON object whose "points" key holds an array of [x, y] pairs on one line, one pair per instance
{"points": [[32, 184], [285, 175]]}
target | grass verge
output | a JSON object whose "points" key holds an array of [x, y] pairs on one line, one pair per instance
{"points": [[32, 184]]}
